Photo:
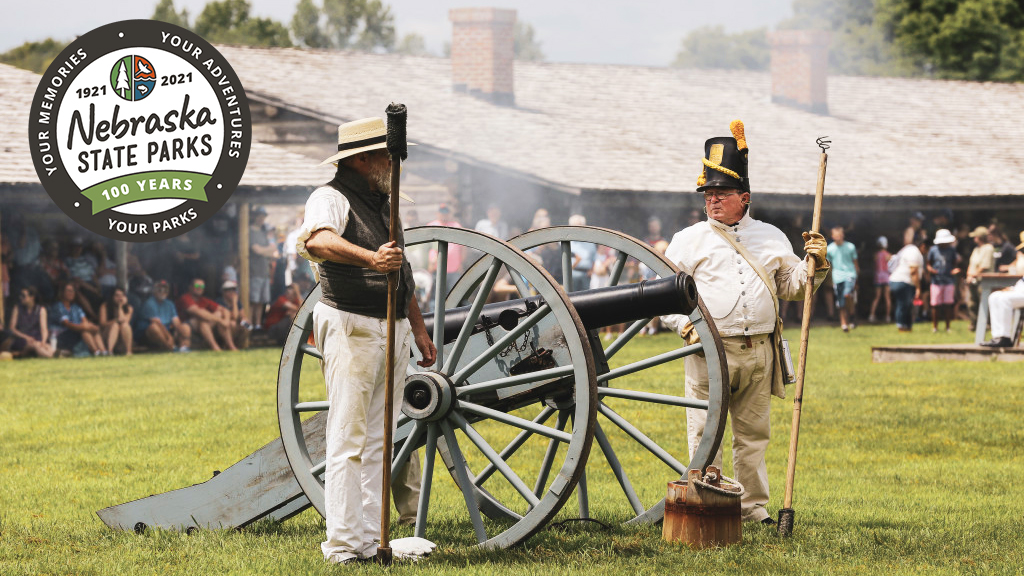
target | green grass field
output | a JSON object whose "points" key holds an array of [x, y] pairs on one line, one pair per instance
{"points": [[904, 468]]}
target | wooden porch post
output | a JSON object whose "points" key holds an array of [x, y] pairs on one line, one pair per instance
{"points": [[243, 258]]}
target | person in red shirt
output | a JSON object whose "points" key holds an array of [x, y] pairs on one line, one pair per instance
{"points": [[282, 311], [206, 316]]}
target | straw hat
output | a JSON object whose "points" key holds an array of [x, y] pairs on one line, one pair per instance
{"points": [[360, 136], [943, 236]]}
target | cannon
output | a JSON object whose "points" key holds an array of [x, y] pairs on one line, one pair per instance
{"points": [[520, 391]]}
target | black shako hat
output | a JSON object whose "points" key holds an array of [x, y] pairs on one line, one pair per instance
{"points": [[725, 161]]}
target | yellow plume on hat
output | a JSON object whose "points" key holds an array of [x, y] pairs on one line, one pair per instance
{"points": [[736, 127]]}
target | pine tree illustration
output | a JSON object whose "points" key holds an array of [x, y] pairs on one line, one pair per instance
{"points": [[122, 81]]}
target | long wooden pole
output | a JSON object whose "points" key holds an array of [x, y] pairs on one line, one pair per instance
{"points": [[787, 514], [396, 148], [243, 259]]}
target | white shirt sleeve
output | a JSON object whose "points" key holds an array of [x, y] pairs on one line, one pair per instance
{"points": [[326, 209], [676, 252]]}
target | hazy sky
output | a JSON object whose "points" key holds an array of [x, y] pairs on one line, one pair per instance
{"points": [[644, 32]]}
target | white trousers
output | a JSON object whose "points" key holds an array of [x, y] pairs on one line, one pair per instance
{"points": [[353, 347], [750, 370], [1000, 308]]}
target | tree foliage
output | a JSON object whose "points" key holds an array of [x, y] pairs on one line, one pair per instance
{"points": [[412, 44], [341, 24], [306, 25], [859, 45], [229, 22], [964, 40], [34, 56], [711, 47], [165, 12], [954, 39], [527, 47]]}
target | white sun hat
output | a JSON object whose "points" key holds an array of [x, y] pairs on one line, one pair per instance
{"points": [[943, 236], [360, 136]]}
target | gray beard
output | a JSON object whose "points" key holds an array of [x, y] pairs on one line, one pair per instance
{"points": [[380, 176]]}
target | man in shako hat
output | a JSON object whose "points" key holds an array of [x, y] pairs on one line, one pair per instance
{"points": [[345, 236], [715, 252]]}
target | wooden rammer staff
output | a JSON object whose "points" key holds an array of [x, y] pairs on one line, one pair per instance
{"points": [[786, 514], [398, 149]]}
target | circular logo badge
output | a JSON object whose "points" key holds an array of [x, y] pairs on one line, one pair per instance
{"points": [[140, 130]]}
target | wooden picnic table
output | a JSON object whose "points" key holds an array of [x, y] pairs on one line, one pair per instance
{"points": [[990, 282]]}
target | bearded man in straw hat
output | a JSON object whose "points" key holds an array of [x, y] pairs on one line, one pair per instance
{"points": [[728, 255], [345, 236]]}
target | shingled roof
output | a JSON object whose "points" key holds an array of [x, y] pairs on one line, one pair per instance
{"points": [[627, 128], [268, 166]]}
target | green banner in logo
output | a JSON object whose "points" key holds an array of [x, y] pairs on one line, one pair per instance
{"points": [[146, 186]]}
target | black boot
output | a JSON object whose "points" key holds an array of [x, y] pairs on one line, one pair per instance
{"points": [[1001, 342]]}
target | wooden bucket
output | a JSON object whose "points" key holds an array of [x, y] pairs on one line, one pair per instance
{"points": [[701, 516]]}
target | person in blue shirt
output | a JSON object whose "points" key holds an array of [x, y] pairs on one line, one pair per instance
{"points": [[843, 256], [159, 320], [73, 326]]}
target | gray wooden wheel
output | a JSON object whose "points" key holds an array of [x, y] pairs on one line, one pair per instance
{"points": [[626, 247], [490, 382]]}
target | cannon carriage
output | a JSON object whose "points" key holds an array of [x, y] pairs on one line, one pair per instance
{"points": [[519, 394]]}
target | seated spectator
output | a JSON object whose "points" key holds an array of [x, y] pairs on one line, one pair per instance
{"points": [[28, 325], [116, 321], [76, 330], [282, 311], [82, 272], [229, 301], [160, 323], [1001, 305], [206, 316]]}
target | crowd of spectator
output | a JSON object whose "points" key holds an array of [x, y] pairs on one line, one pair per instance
{"points": [[933, 276], [62, 296]]}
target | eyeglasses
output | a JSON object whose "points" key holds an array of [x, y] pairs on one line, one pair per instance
{"points": [[718, 195], [199, 285]]}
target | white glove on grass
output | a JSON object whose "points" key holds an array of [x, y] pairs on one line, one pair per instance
{"points": [[412, 548]]}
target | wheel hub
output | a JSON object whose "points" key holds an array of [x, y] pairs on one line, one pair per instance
{"points": [[428, 396]]}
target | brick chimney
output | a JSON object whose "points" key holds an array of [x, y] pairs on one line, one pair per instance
{"points": [[800, 69], [483, 52]]}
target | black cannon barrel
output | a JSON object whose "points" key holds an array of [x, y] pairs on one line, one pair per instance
{"points": [[597, 308]]}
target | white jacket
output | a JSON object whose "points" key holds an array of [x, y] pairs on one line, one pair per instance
{"points": [[738, 300]]}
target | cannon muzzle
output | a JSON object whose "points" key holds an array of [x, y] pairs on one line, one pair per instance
{"points": [[597, 308]]}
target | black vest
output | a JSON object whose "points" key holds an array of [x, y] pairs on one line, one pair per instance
{"points": [[353, 288]]}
